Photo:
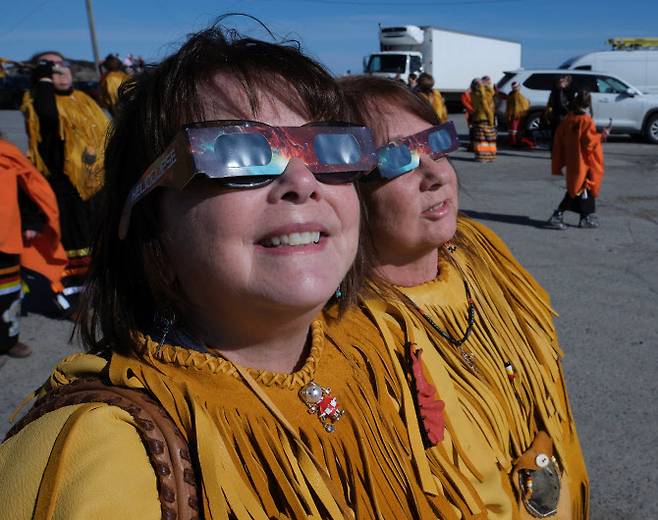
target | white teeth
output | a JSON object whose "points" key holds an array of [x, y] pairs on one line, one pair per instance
{"points": [[294, 239]]}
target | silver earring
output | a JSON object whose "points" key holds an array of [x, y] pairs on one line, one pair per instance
{"points": [[163, 320]]}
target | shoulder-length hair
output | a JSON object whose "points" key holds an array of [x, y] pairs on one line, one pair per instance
{"points": [[365, 96], [127, 283]]}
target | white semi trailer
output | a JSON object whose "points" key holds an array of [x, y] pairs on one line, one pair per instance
{"points": [[453, 58]]}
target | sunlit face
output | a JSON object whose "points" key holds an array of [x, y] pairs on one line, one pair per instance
{"points": [[414, 213], [62, 77], [221, 241]]}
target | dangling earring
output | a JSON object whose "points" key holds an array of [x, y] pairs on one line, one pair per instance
{"points": [[163, 320], [450, 247], [339, 293]]}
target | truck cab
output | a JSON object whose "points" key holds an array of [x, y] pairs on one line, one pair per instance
{"points": [[394, 64]]}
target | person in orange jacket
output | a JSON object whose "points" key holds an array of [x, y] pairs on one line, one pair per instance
{"points": [[578, 149], [29, 237]]}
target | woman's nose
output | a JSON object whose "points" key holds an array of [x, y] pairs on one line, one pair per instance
{"points": [[433, 173], [297, 184]]}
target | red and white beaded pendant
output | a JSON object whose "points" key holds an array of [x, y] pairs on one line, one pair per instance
{"points": [[320, 402]]}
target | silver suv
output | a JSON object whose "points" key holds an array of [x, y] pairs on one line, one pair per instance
{"points": [[612, 98]]}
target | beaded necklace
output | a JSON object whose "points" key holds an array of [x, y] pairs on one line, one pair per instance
{"points": [[467, 357]]}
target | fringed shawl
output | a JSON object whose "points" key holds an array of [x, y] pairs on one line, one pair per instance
{"points": [[262, 455], [82, 127], [490, 420]]}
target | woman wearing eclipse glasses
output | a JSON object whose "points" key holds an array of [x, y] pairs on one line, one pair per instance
{"points": [[230, 218], [471, 330]]}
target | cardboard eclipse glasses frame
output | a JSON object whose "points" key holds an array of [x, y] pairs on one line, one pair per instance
{"points": [[246, 154]]}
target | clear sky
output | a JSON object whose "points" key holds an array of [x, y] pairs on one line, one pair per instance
{"points": [[337, 32]]}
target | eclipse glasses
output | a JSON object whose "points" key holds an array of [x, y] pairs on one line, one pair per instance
{"points": [[401, 156], [249, 154]]}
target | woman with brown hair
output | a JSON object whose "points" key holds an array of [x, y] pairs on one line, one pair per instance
{"points": [[471, 330], [212, 391]]}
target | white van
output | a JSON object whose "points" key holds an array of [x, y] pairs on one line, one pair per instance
{"points": [[637, 66]]}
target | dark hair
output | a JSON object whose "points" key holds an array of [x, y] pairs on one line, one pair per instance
{"points": [[425, 82], [366, 94], [112, 63], [413, 75], [35, 57], [127, 281], [582, 101]]}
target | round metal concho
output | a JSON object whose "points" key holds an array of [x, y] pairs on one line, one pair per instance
{"points": [[541, 489]]}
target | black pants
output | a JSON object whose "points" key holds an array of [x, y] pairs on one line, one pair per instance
{"points": [[10, 300], [578, 204]]}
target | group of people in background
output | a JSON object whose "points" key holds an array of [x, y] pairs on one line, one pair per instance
{"points": [[575, 144]]}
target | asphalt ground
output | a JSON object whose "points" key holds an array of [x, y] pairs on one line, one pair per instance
{"points": [[603, 283]]}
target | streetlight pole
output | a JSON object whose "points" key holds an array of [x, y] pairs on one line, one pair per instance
{"points": [[92, 32]]}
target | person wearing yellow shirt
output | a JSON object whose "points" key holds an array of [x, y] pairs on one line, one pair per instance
{"points": [[483, 120], [66, 133], [516, 110], [478, 360], [110, 82], [425, 89]]}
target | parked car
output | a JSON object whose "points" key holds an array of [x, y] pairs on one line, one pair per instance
{"points": [[631, 111]]}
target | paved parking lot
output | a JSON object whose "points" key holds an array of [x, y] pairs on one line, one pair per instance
{"points": [[604, 285]]}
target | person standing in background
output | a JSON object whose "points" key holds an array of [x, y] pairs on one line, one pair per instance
{"points": [[66, 131], [516, 110], [578, 149], [559, 104], [484, 122], [426, 90], [413, 82], [111, 81]]}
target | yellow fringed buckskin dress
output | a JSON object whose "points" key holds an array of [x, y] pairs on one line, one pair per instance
{"points": [[82, 128], [66, 132], [259, 453], [491, 421], [109, 88]]}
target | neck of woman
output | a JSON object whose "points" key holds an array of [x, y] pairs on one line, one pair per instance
{"points": [[269, 341], [407, 273]]}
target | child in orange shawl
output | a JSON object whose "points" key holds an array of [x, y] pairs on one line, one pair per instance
{"points": [[31, 242], [577, 147]]}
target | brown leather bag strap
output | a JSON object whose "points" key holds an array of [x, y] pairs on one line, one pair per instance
{"points": [[167, 448]]}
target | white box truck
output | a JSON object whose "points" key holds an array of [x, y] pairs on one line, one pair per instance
{"points": [[452, 58], [632, 59]]}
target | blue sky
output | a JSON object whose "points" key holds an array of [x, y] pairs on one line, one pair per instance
{"points": [[337, 32]]}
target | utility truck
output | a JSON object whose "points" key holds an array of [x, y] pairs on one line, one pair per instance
{"points": [[452, 58], [633, 59]]}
